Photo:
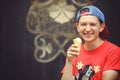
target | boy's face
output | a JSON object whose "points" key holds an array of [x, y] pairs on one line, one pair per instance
{"points": [[89, 28]]}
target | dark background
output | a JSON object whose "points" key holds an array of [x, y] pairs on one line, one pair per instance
{"points": [[16, 43]]}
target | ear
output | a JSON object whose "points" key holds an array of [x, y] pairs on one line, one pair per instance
{"points": [[103, 25], [77, 26]]}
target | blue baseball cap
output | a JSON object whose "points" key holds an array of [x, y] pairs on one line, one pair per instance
{"points": [[92, 10]]}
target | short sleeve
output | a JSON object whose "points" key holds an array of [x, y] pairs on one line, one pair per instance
{"points": [[113, 60]]}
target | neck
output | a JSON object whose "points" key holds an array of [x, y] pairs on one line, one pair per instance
{"points": [[93, 44]]}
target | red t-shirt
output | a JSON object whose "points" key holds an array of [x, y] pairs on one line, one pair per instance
{"points": [[89, 65]]}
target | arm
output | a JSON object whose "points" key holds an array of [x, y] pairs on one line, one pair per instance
{"points": [[72, 53], [110, 75], [67, 75]]}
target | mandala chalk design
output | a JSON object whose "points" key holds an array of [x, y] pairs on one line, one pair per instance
{"points": [[52, 21]]}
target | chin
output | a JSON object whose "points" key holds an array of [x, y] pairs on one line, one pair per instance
{"points": [[88, 39]]}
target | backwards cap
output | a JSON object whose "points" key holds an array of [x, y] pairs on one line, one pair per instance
{"points": [[92, 11]]}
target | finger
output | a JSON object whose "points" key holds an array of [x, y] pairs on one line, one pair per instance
{"points": [[74, 45], [72, 53], [73, 49]]}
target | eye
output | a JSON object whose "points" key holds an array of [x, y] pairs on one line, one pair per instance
{"points": [[83, 24], [92, 25]]}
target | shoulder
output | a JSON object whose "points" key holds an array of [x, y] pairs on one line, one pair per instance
{"points": [[110, 49], [110, 46]]}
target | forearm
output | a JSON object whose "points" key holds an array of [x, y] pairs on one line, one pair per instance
{"points": [[110, 75], [67, 75]]}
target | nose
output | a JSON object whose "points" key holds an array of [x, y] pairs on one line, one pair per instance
{"points": [[88, 28]]}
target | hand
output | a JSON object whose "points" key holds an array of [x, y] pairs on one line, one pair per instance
{"points": [[72, 52]]}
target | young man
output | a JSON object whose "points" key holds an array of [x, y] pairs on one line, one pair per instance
{"points": [[98, 59]]}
